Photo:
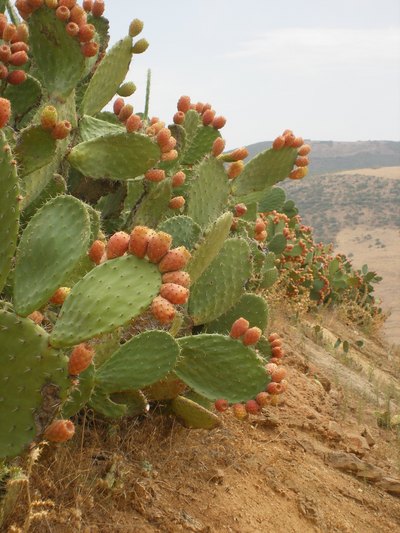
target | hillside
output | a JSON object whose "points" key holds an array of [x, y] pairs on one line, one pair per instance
{"points": [[333, 156]]}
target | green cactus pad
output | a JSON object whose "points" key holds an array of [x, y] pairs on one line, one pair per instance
{"points": [[191, 124], [192, 415], [220, 367], [108, 77], [24, 98], [58, 56], [102, 404], [277, 244], [250, 306], [289, 209], [265, 169], [168, 388], [9, 209], [208, 249], [51, 246], [142, 361], [26, 366], [222, 284], [263, 348], [80, 395], [272, 199], [56, 186], [91, 128], [154, 205], [204, 207], [115, 156], [184, 231], [108, 296], [179, 133], [134, 400], [35, 149], [199, 144], [269, 277]]}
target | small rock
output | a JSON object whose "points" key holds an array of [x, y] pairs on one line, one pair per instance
{"points": [[366, 433], [356, 444]]}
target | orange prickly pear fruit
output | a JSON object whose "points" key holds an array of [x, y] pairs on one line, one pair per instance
{"points": [[301, 161], [289, 139], [18, 59], [183, 104], [252, 407], [158, 246], [155, 174], [298, 173], [72, 29], [298, 141], [208, 117], [178, 179], [218, 122], [63, 13], [5, 111], [238, 154], [169, 156], [179, 277], [240, 210], [177, 202], [80, 358], [252, 336], [118, 105], [36, 317], [96, 251], [176, 294], [89, 49], [125, 112], [86, 34], [275, 388], [16, 77], [278, 143], [134, 123], [139, 240], [304, 150], [218, 146], [98, 8], [260, 225], [221, 405], [179, 117], [60, 295], [175, 259], [59, 431], [61, 130], [262, 399], [239, 411], [235, 169], [87, 5], [117, 245], [273, 336], [239, 328], [162, 310], [279, 374]]}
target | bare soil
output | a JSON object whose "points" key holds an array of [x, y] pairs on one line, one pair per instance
{"points": [[316, 462]]}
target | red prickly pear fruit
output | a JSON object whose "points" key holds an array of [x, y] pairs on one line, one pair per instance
{"points": [[16, 77], [117, 245], [135, 27], [5, 53], [298, 173], [239, 328], [221, 405], [63, 13], [96, 251], [60, 295], [239, 411], [98, 8], [252, 336], [72, 29], [261, 236], [240, 210], [218, 122], [5, 111], [276, 342], [89, 49], [270, 368], [278, 143], [59, 431], [274, 388], [19, 47], [22, 35], [238, 154], [218, 146], [175, 259], [263, 399], [19, 58], [178, 179], [80, 358], [235, 169], [177, 202], [134, 123], [298, 141], [158, 246], [155, 174], [273, 337], [183, 104], [208, 117], [118, 105], [36, 317], [277, 352], [140, 46], [252, 407], [78, 15], [163, 137], [304, 150], [9, 32], [61, 130], [301, 161], [176, 294], [139, 240], [289, 139], [179, 277], [67, 3], [3, 72], [279, 374], [179, 117], [260, 225], [162, 310], [86, 34], [276, 360], [3, 18], [169, 156], [87, 5]]}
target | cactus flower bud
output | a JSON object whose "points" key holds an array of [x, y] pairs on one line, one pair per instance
{"points": [[135, 27]]}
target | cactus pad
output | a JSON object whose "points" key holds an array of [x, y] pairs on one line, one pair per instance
{"points": [[250, 306], [222, 284], [220, 367], [154, 204], [51, 246], [115, 156], [273, 198], [199, 145], [24, 99], [35, 149], [80, 395], [107, 297], [192, 415], [277, 244], [91, 128], [183, 230]]}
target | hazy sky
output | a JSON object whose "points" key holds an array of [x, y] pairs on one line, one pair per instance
{"points": [[329, 70]]}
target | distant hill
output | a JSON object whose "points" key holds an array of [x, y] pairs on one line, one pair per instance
{"points": [[332, 156]]}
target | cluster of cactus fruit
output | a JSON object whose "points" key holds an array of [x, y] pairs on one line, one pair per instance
{"points": [[132, 251]]}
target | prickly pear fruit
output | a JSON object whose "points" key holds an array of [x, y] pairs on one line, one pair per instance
{"points": [[278, 143], [179, 117], [252, 407], [184, 104], [239, 411], [235, 169], [276, 342], [262, 399], [139, 240], [277, 352], [126, 89], [60, 295], [134, 123], [298, 173], [271, 367], [59, 431], [302, 161], [135, 27], [260, 225], [125, 113], [208, 117], [86, 33], [239, 328], [80, 358], [240, 210], [279, 374], [163, 310], [36, 317], [155, 174], [221, 405], [63, 13], [175, 259], [158, 246], [178, 179], [98, 8], [218, 146], [218, 122], [238, 154], [273, 336], [176, 294], [304, 150], [298, 141], [16, 77], [178, 277], [252, 336], [177, 202], [140, 46], [275, 388], [118, 105], [49, 117], [96, 251], [61, 130], [117, 245], [5, 111]]}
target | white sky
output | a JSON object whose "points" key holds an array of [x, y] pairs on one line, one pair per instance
{"points": [[329, 70]]}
